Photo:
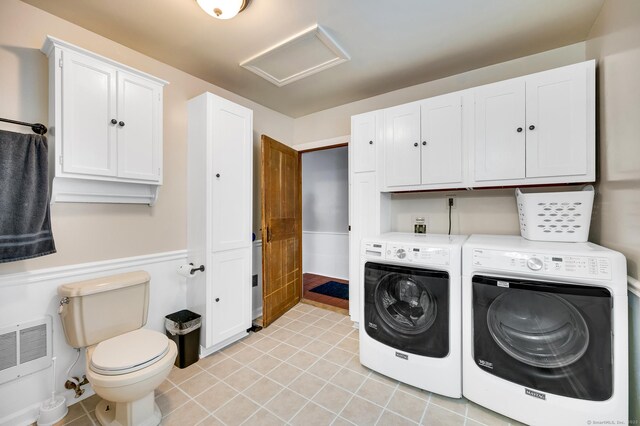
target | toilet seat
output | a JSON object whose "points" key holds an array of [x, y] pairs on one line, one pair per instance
{"points": [[128, 352]]}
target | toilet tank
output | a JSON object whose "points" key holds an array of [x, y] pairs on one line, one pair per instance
{"points": [[98, 309]]}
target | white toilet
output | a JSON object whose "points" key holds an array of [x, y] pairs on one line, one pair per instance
{"points": [[125, 363]]}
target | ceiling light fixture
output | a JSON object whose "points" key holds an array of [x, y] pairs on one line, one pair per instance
{"points": [[223, 9]]}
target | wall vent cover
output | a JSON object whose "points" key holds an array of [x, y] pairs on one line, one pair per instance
{"points": [[304, 54], [24, 348]]}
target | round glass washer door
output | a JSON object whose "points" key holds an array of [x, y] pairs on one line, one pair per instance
{"points": [[538, 329], [405, 304]]}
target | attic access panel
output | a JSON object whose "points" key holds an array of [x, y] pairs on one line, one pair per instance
{"points": [[300, 56]]}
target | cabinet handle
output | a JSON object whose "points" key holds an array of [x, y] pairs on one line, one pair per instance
{"points": [[121, 124], [532, 127], [217, 175], [217, 299], [415, 144], [370, 142], [424, 143], [519, 129], [114, 121]]}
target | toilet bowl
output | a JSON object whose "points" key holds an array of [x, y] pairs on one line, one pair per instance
{"points": [[125, 363]]}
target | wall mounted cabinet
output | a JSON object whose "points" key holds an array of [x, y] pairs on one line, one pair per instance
{"points": [[107, 127], [219, 223]]}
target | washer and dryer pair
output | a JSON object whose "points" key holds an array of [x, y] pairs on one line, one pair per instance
{"points": [[538, 329]]}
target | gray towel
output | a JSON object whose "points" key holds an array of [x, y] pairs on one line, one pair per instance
{"points": [[25, 225]]}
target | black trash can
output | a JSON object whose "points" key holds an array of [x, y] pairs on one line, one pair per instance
{"points": [[183, 327]]}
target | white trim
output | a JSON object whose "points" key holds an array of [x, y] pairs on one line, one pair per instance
{"points": [[322, 143], [256, 313], [257, 243], [324, 274], [634, 285], [326, 233], [38, 275]]}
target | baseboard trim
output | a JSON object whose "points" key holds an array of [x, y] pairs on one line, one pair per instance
{"points": [[38, 275]]}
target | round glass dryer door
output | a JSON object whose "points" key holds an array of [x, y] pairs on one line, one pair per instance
{"points": [[405, 304], [541, 329]]}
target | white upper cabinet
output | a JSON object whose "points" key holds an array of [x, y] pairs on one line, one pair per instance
{"points": [[107, 127], [364, 142], [557, 123], [441, 144], [402, 145], [499, 131]]}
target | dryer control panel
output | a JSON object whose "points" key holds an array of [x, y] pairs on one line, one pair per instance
{"points": [[418, 254], [557, 265]]}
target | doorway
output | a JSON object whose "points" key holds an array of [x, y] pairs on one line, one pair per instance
{"points": [[325, 227]]}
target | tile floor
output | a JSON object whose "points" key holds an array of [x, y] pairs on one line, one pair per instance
{"points": [[310, 281], [302, 370]]}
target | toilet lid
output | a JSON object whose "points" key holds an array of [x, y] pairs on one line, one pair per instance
{"points": [[129, 352]]}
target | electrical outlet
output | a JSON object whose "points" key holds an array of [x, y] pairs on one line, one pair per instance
{"points": [[446, 201]]}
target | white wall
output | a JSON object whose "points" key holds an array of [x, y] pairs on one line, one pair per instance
{"points": [[32, 295], [325, 213]]}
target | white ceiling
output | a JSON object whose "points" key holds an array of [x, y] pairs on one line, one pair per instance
{"points": [[392, 43]]}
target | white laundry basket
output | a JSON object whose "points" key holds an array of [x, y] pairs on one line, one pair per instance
{"points": [[555, 216]]}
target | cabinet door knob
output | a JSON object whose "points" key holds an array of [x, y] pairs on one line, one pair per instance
{"points": [[114, 121], [415, 144], [217, 175], [532, 127], [424, 143], [519, 129], [121, 124], [370, 142], [217, 299]]}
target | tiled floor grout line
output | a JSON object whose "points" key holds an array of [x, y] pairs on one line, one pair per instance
{"points": [[395, 389], [424, 413]]}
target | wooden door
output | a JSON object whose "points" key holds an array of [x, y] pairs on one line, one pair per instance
{"points": [[557, 123], [88, 106], [402, 145], [500, 135], [281, 229], [139, 128], [441, 149]]}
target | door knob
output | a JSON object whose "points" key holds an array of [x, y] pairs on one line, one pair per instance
{"points": [[217, 175], [114, 121], [519, 129], [424, 143], [121, 124], [532, 127], [217, 299], [415, 144], [370, 142]]}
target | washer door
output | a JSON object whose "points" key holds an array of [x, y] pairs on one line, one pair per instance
{"points": [[551, 337], [407, 308]]}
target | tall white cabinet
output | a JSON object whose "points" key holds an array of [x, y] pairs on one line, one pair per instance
{"points": [[219, 193], [368, 207]]}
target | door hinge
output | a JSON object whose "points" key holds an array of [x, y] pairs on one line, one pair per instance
{"points": [[60, 62], [158, 171], [60, 160], [349, 227], [268, 234]]}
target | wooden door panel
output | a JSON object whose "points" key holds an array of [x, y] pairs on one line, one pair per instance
{"points": [[281, 229]]}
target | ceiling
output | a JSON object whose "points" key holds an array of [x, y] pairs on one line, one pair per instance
{"points": [[392, 43]]}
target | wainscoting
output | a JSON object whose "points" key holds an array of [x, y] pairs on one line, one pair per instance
{"points": [[33, 294], [326, 253]]}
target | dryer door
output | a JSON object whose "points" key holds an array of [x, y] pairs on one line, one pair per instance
{"points": [[407, 308], [551, 337]]}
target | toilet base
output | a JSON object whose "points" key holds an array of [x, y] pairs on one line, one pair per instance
{"points": [[143, 412]]}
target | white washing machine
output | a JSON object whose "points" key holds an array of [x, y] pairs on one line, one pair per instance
{"points": [[410, 319], [545, 330]]}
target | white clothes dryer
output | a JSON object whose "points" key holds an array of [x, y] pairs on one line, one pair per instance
{"points": [[545, 330], [410, 318]]}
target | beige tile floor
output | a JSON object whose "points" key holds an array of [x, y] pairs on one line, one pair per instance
{"points": [[302, 370]]}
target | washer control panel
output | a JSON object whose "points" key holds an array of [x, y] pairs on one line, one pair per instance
{"points": [[559, 265], [418, 254]]}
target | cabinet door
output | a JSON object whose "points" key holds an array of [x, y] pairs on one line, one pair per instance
{"points": [[363, 141], [557, 123], [402, 145], [88, 106], [231, 171], [365, 222], [230, 294], [441, 148], [140, 136], [500, 136]]}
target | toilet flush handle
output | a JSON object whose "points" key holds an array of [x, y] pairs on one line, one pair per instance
{"points": [[63, 301]]}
